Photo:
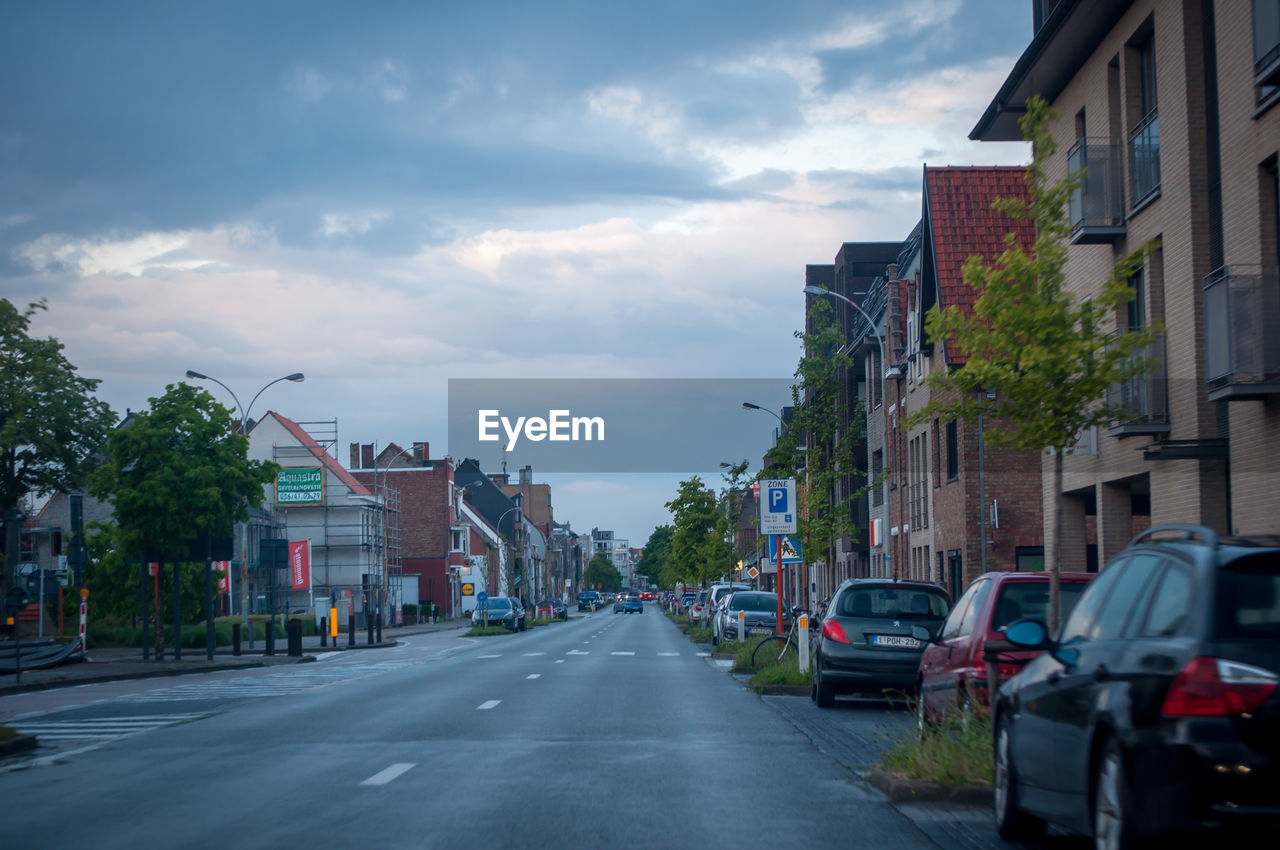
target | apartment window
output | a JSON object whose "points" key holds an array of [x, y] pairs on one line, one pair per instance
{"points": [[458, 539], [1144, 138], [918, 479], [1266, 47], [1136, 309], [876, 379], [877, 467], [953, 451]]}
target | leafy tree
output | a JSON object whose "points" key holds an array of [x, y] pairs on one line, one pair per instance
{"points": [[1048, 356], [50, 423], [821, 443], [601, 574], [178, 472], [653, 560], [699, 551]]}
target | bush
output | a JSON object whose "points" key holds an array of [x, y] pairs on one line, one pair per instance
{"points": [[409, 609], [953, 750]]}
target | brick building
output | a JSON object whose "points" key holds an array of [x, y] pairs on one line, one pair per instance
{"points": [[1170, 104]]}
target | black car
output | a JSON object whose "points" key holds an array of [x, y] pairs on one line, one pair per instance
{"points": [[866, 645], [1156, 709], [501, 611]]}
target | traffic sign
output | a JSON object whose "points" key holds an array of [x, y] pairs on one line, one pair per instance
{"points": [[482, 597], [752, 572], [791, 549], [778, 506]]}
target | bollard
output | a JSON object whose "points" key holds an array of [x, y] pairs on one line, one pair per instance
{"points": [[252, 631], [368, 625], [235, 638], [803, 633], [294, 630], [324, 630], [351, 629], [271, 636], [379, 626]]}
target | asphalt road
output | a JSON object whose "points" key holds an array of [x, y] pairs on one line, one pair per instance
{"points": [[603, 731]]}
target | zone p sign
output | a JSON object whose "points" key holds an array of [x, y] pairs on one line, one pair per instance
{"points": [[778, 506]]}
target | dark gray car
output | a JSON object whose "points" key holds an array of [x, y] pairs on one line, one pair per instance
{"points": [[759, 613], [866, 645]]}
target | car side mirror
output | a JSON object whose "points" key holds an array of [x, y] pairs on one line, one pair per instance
{"points": [[1027, 634], [923, 635]]}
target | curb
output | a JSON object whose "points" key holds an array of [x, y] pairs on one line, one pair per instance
{"points": [[901, 790], [17, 744]]}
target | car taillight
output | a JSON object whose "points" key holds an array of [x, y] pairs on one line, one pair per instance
{"points": [[831, 630], [1214, 687]]}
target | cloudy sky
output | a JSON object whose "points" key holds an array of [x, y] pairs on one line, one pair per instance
{"points": [[388, 195]]}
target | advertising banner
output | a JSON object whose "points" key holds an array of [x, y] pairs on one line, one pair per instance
{"points": [[223, 569], [300, 564], [300, 486]]}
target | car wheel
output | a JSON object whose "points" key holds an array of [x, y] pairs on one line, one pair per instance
{"points": [[824, 694], [1112, 821], [1011, 822]]}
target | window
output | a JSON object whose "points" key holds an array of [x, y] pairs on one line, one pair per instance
{"points": [[1171, 603], [1249, 599], [1266, 46], [953, 451], [1144, 138], [971, 616], [877, 467], [458, 539], [1136, 309], [1122, 601], [1075, 626], [1029, 600], [951, 628]]}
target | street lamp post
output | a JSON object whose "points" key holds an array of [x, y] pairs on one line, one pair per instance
{"points": [[296, 377]]}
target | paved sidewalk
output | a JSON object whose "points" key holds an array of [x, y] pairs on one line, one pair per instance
{"points": [[114, 663]]}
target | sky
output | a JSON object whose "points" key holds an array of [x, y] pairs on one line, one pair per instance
{"points": [[386, 196]]}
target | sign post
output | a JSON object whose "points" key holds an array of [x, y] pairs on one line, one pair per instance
{"points": [[84, 618], [778, 517]]}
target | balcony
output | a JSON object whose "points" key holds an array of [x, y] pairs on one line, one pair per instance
{"points": [[1145, 398], [1242, 333], [1144, 159], [1097, 205]]}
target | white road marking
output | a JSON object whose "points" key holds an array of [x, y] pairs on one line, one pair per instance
{"points": [[578, 652], [487, 704], [704, 654], [534, 676], [533, 654], [322, 656], [668, 654], [622, 653], [382, 777], [559, 660], [490, 656]]}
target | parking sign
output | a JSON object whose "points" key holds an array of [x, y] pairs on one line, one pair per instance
{"points": [[778, 506]]}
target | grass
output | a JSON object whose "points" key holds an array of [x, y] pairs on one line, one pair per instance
{"points": [[480, 631], [954, 750], [698, 634]]}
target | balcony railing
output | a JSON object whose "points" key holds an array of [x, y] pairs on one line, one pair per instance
{"points": [[1097, 205], [1144, 158], [1144, 399], [1242, 333]]}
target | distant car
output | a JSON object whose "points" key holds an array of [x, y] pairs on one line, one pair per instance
{"points": [[502, 611], [558, 609], [633, 605], [695, 610], [866, 644], [759, 613], [1156, 708], [953, 671]]}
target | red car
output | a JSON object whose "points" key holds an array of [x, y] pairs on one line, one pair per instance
{"points": [[953, 673]]}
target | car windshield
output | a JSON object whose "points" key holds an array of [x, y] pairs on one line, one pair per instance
{"points": [[498, 602], [1029, 600], [1249, 598], [897, 603], [753, 602]]}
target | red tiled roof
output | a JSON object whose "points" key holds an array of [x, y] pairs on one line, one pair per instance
{"points": [[962, 224], [326, 460]]}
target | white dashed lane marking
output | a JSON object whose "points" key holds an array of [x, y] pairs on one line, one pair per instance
{"points": [[382, 777], [622, 653], [487, 704], [534, 676], [490, 656]]}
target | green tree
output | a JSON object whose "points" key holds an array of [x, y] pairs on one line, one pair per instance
{"points": [[699, 551], [653, 560], [821, 444], [50, 422], [1048, 356], [177, 473], [601, 574]]}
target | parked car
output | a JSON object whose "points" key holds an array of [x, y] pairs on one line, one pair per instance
{"points": [[1156, 709], [715, 595], [953, 670], [502, 611], [558, 609], [695, 610], [866, 645], [759, 612]]}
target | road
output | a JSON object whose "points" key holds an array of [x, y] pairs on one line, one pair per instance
{"points": [[611, 730]]}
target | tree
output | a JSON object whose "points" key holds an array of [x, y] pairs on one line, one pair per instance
{"points": [[699, 551], [179, 472], [50, 423], [653, 560], [821, 443], [602, 574], [1048, 356]]}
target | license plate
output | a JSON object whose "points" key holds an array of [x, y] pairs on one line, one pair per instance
{"points": [[895, 640], [757, 630]]}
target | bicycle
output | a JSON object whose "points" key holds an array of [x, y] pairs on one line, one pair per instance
{"points": [[788, 646]]}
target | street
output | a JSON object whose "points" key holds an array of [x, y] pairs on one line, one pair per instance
{"points": [[606, 730]]}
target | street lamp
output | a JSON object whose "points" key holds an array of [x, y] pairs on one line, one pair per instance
{"points": [[296, 377], [746, 405]]}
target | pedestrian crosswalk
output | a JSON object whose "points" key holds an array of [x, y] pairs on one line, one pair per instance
{"points": [[99, 728]]}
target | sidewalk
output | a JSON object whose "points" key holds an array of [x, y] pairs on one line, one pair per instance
{"points": [[115, 663]]}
